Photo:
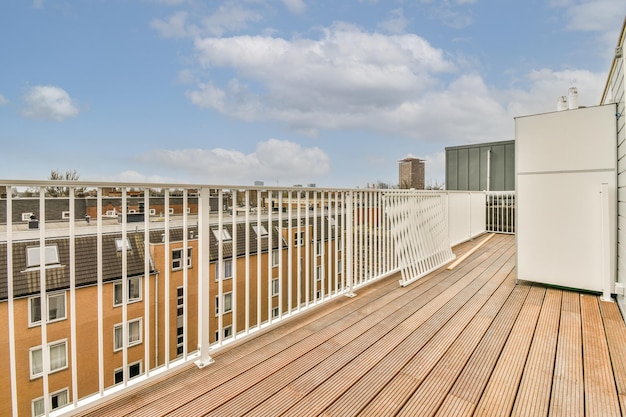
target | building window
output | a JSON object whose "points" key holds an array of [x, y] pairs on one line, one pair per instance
{"points": [[228, 303], [134, 334], [134, 370], [260, 230], [318, 248], [134, 291], [225, 235], [57, 400], [275, 312], [56, 309], [177, 258], [118, 244], [318, 273], [180, 329], [228, 332], [26, 216], [275, 286], [275, 256], [339, 243], [57, 352], [298, 238], [318, 294], [51, 256], [339, 266], [228, 269]]}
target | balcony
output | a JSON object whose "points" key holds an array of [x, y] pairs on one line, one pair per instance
{"points": [[467, 341], [270, 301]]}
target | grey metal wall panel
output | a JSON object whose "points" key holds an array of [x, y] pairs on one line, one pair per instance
{"points": [[466, 166]]}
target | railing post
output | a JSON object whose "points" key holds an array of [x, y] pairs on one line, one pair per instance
{"points": [[204, 207], [349, 258]]}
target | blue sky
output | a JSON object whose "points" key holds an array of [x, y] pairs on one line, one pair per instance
{"points": [[283, 91]]}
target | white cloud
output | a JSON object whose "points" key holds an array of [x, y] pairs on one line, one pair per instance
{"points": [[38, 4], [228, 17], [396, 23], [3, 100], [48, 102], [295, 6], [273, 160]]}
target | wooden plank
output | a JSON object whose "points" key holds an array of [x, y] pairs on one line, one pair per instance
{"points": [[600, 393], [225, 398], [470, 252], [615, 330], [499, 395], [468, 388], [319, 389], [533, 396], [390, 400], [431, 393], [567, 398]]}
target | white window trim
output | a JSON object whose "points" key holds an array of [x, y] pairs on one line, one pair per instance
{"points": [[275, 262], [261, 227], [226, 329], [275, 287], [318, 248], [130, 344], [121, 368], [118, 244], [225, 235], [32, 323], [189, 258], [318, 273], [133, 300], [217, 306], [50, 344], [217, 270], [275, 312], [51, 254], [52, 394]]}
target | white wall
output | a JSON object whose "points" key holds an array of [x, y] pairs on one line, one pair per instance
{"points": [[466, 215]]}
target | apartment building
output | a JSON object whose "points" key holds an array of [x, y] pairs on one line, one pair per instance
{"points": [[147, 305]]}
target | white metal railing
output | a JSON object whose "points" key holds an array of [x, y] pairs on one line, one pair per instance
{"points": [[214, 263], [500, 211]]}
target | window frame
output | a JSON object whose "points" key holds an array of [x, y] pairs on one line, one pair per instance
{"points": [[275, 287], [130, 343], [225, 235], [180, 259], [275, 258], [261, 227], [50, 396], [118, 244], [121, 369], [217, 306], [49, 346], [132, 300], [32, 323], [228, 269], [228, 333], [51, 255]]}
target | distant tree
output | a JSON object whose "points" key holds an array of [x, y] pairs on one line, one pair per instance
{"points": [[436, 185], [56, 175]]}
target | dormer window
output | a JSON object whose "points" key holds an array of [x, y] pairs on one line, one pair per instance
{"points": [[260, 230], [118, 244], [33, 258], [225, 234]]}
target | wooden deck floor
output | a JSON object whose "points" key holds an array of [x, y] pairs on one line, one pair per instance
{"points": [[465, 342]]}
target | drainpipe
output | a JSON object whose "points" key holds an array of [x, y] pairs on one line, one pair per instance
{"points": [[488, 169], [156, 320]]}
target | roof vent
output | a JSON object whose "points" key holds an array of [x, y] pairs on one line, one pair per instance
{"points": [[572, 98], [619, 52], [561, 104]]}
